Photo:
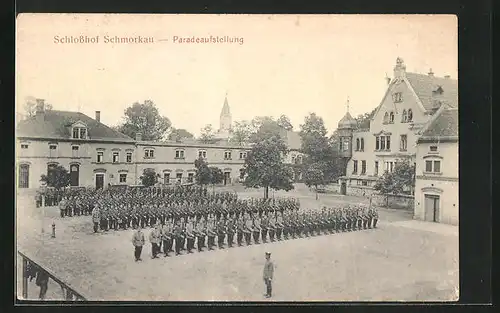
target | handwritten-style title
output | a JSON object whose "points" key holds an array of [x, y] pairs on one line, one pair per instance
{"points": [[85, 39]]}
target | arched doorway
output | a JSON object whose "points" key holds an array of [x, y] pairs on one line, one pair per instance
{"points": [[74, 175], [24, 175]]}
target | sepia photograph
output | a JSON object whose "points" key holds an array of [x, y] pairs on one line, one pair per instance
{"points": [[236, 157]]}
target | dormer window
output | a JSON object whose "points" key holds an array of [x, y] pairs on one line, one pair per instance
{"points": [[179, 154], [202, 154], [227, 155], [79, 131], [438, 91], [243, 155]]}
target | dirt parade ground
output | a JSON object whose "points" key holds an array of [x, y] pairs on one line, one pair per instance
{"points": [[401, 260]]}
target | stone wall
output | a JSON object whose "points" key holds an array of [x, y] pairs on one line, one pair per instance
{"points": [[358, 190], [404, 202]]}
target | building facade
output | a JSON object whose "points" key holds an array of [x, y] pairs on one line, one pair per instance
{"points": [[410, 101], [437, 172]]}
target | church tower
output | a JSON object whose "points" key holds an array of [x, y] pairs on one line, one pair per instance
{"points": [[225, 118]]}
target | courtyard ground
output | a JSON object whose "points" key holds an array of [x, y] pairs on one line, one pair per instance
{"points": [[401, 260]]}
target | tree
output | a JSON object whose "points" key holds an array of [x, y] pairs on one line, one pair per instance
{"points": [[207, 134], [363, 120], [241, 132], [321, 154], [29, 106], [314, 175], [145, 118], [284, 122], [401, 180], [263, 128], [216, 175], [265, 168], [177, 134], [203, 174], [149, 177], [57, 177]]}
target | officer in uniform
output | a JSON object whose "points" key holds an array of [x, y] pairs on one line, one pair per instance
{"points": [[256, 229], [231, 229], [166, 237], [190, 237], [248, 229], [201, 232], [279, 225], [221, 233], [241, 230], [138, 242], [271, 227], [154, 238], [264, 227], [96, 217], [211, 232], [178, 237]]}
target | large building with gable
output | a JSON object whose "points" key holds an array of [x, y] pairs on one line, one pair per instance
{"points": [[409, 103], [98, 156]]}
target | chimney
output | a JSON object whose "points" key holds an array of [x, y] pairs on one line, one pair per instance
{"points": [[400, 68], [98, 116], [40, 110], [431, 73], [447, 76], [138, 136]]}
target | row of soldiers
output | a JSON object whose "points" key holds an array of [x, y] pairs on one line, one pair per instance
{"points": [[248, 228]]}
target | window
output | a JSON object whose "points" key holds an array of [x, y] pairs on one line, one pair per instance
{"points": [[116, 157], [242, 173], [388, 142], [391, 166], [362, 147], [74, 151], [346, 144], [355, 169], [123, 178], [129, 157], [386, 118], [24, 146], [293, 159], [79, 133], [190, 177], [364, 183], [403, 143], [50, 168], [391, 117], [52, 150], [432, 166], [179, 154], [433, 148], [179, 177], [410, 115], [363, 167], [397, 97], [100, 156], [382, 142], [24, 172], [243, 155], [227, 155], [376, 168], [377, 143], [149, 153], [166, 178], [357, 144], [404, 117], [202, 153]]}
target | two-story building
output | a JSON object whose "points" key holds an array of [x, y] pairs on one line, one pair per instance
{"points": [[410, 101], [436, 183]]}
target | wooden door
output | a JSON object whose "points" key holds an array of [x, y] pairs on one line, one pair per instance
{"points": [[74, 175], [431, 207], [99, 181]]}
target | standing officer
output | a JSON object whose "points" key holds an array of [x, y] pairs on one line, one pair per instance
{"points": [[138, 242], [231, 228], [268, 275], [201, 232], [154, 238], [62, 206], [240, 230], [221, 233], [177, 237], [248, 229], [256, 229], [211, 232], [190, 235], [265, 227], [271, 228], [279, 225], [166, 238]]}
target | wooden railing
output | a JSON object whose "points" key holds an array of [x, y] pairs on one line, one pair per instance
{"points": [[69, 293]]}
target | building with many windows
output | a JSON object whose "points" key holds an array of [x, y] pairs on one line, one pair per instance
{"points": [[436, 183], [410, 102]]}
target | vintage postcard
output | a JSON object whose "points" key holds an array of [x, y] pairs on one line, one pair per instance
{"points": [[236, 157]]}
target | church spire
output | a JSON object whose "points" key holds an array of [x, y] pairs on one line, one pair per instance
{"points": [[225, 107], [347, 104]]}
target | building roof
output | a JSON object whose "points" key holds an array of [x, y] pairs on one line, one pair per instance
{"points": [[225, 108], [444, 125], [57, 125], [424, 85], [347, 122]]}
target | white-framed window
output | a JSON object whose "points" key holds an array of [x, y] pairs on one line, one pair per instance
{"points": [[243, 155], [52, 151], [227, 155], [149, 153], [24, 146], [345, 144], [376, 168], [202, 154], [74, 151], [433, 166], [100, 156], [403, 144], [123, 177], [179, 154], [79, 133], [355, 167], [129, 157], [116, 156], [363, 167]]}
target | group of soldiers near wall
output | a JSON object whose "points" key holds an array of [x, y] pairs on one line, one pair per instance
{"points": [[187, 218]]}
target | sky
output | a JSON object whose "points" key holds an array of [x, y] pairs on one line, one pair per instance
{"points": [[286, 64]]}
